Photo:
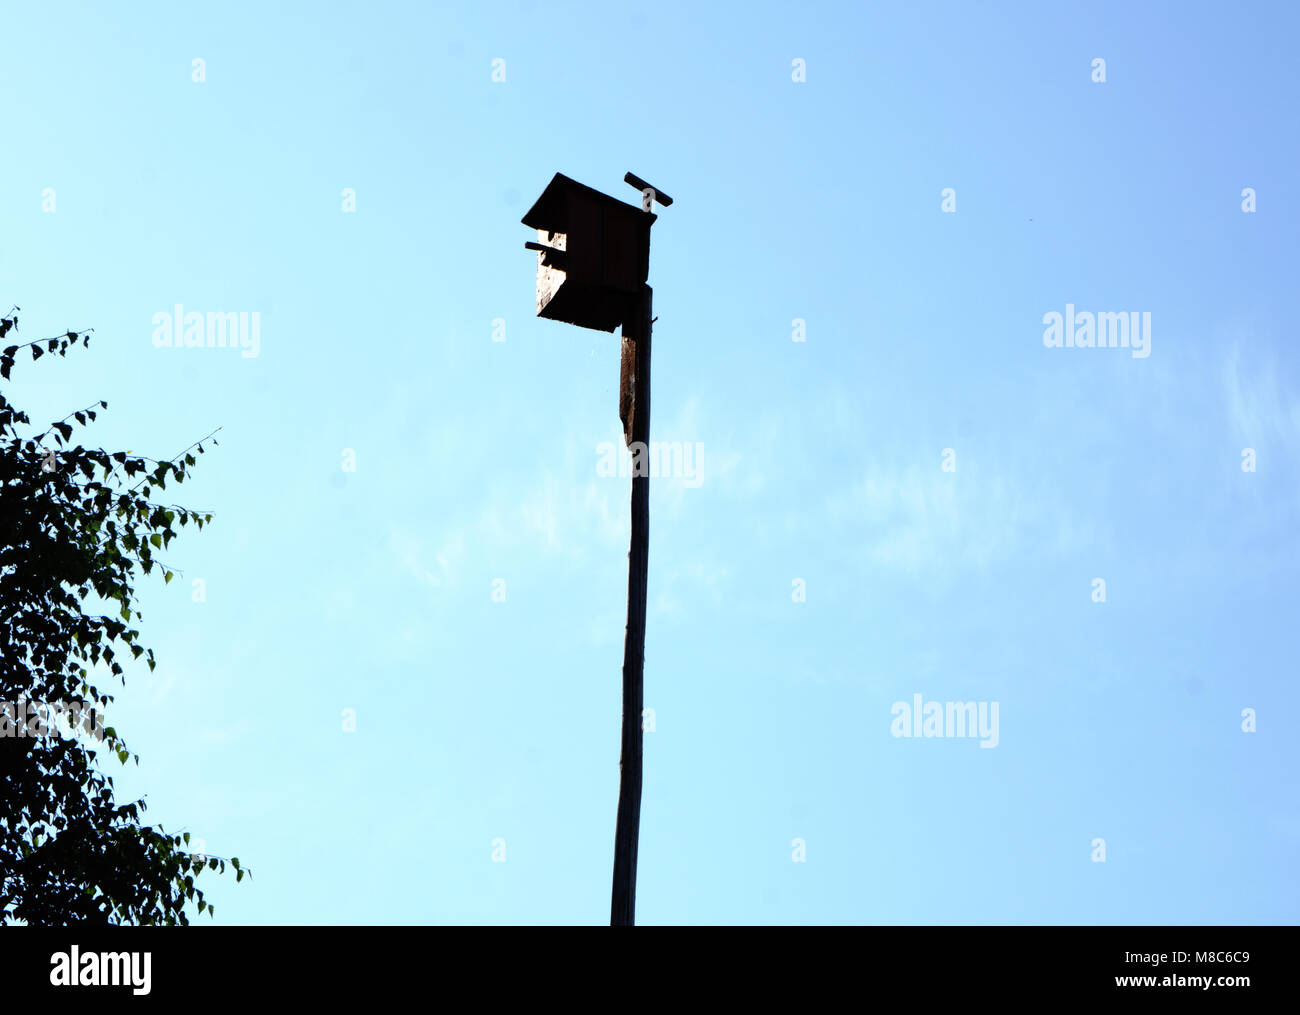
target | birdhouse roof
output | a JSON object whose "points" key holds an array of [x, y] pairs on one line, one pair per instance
{"points": [[548, 211]]}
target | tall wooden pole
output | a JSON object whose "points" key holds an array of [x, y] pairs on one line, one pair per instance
{"points": [[636, 332]]}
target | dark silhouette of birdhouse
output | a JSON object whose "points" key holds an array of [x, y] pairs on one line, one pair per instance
{"points": [[593, 254]]}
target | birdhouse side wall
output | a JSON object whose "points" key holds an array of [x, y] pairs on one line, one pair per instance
{"points": [[549, 277]]}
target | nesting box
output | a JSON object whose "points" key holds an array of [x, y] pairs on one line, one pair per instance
{"points": [[593, 254]]}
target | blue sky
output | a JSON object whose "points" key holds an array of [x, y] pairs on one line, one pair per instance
{"points": [[823, 460]]}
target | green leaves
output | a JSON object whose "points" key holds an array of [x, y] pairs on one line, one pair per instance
{"points": [[72, 527]]}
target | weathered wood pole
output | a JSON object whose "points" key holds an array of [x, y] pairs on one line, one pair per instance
{"points": [[636, 333]]}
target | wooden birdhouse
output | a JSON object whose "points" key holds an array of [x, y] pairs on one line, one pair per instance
{"points": [[593, 254]]}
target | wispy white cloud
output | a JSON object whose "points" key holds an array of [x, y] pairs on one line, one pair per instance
{"points": [[226, 735], [554, 515], [1258, 407], [436, 567], [691, 579]]}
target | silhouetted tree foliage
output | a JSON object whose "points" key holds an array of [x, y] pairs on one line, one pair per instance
{"points": [[77, 523]]}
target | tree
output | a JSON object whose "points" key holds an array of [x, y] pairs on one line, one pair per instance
{"points": [[76, 526]]}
